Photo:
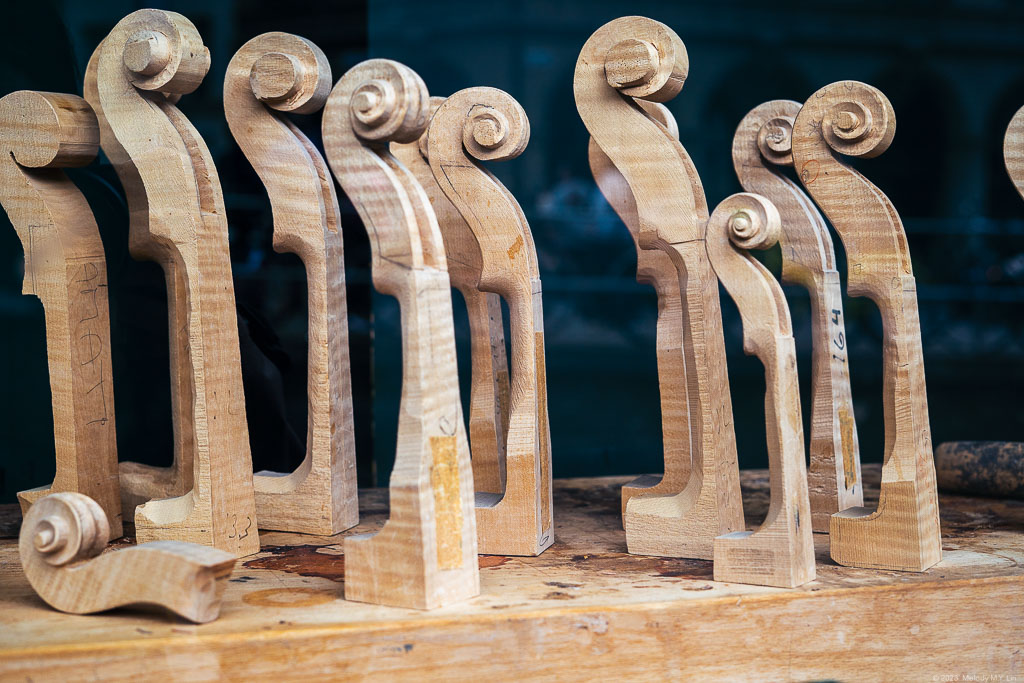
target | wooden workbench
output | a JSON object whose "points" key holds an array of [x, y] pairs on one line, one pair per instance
{"points": [[583, 609]]}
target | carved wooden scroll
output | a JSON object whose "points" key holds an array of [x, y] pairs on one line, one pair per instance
{"points": [[489, 386], [656, 269], [635, 57], [151, 54], [60, 544], [763, 143], [487, 124], [425, 556], [140, 482], [65, 267], [781, 551], [857, 120], [281, 72]]}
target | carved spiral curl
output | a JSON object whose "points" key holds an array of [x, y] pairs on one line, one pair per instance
{"points": [[162, 51], [753, 222], [861, 123], [495, 126], [650, 64], [48, 130], [62, 528], [289, 74], [388, 101]]}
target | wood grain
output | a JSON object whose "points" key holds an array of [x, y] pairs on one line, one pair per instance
{"points": [[672, 212], [781, 551], [40, 134], [857, 120], [762, 145], [489, 380], [656, 269], [187, 217], [272, 74], [60, 545], [425, 556], [585, 608], [472, 126]]}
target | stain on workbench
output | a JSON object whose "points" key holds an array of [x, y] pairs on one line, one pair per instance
{"points": [[290, 597], [305, 560], [488, 561]]}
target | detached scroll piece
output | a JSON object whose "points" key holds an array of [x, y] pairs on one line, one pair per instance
{"points": [[271, 74], [762, 145], [425, 556], [60, 544], [857, 120], [781, 551], [41, 133], [487, 124], [149, 59], [142, 482], [489, 382], [656, 269], [635, 57]]}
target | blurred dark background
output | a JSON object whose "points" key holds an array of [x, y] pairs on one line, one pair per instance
{"points": [[954, 71]]}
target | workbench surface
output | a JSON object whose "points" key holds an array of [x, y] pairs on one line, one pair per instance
{"points": [[583, 609]]}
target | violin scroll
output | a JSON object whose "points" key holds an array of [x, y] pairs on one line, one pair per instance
{"points": [[862, 124], [496, 127], [293, 75], [753, 222], [49, 130], [163, 52], [652, 65], [63, 528], [391, 102]]}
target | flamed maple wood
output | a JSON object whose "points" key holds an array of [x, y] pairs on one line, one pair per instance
{"points": [[763, 143], [425, 556], [62, 537], [655, 268], [857, 120], [781, 551], [635, 57], [151, 54], [41, 133], [272, 74], [489, 381], [487, 124], [140, 482]]}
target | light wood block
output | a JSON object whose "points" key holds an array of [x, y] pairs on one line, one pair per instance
{"points": [[583, 609], [41, 133], [271, 74], [151, 54], [635, 57], [761, 147], [857, 120], [425, 556]]}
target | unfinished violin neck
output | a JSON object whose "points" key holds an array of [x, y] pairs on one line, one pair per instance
{"points": [[65, 267], [854, 119], [425, 555], [487, 124], [60, 543], [148, 59], [655, 268], [762, 146], [489, 381], [635, 57], [141, 482], [781, 551], [272, 74]]}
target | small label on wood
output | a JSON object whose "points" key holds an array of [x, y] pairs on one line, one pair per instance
{"points": [[542, 416], [444, 480], [846, 440]]}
